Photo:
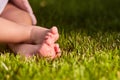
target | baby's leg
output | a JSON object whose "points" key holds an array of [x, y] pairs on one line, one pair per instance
{"points": [[14, 33], [11, 15], [19, 16], [25, 50], [11, 34], [43, 50], [14, 14]]}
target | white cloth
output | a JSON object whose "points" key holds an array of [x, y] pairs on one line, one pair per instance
{"points": [[3, 3]]}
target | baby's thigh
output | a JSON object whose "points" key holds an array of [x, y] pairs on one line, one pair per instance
{"points": [[17, 15]]}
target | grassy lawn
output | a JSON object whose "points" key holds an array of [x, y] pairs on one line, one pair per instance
{"points": [[89, 40]]}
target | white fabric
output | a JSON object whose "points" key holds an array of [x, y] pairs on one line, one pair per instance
{"points": [[3, 3]]}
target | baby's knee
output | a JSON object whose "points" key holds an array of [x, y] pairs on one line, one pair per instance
{"points": [[17, 15], [26, 18]]}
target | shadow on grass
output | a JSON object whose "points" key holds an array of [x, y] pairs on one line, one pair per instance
{"points": [[75, 15]]}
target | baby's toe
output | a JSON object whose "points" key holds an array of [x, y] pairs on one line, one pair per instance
{"points": [[57, 50], [54, 30]]}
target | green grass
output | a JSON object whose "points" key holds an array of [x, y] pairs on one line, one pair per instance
{"points": [[89, 40]]}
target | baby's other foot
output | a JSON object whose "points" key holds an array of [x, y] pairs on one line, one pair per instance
{"points": [[29, 50], [26, 50], [49, 51]]}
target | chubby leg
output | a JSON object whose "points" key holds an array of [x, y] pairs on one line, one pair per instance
{"points": [[11, 34], [11, 13], [19, 16]]}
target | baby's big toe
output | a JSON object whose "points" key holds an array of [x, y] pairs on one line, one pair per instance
{"points": [[54, 30]]}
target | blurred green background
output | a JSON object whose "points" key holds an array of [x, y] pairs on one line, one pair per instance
{"points": [[89, 41], [92, 15]]}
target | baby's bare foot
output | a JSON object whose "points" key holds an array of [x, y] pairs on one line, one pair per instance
{"points": [[29, 50], [26, 50], [39, 35], [52, 36], [49, 51]]}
